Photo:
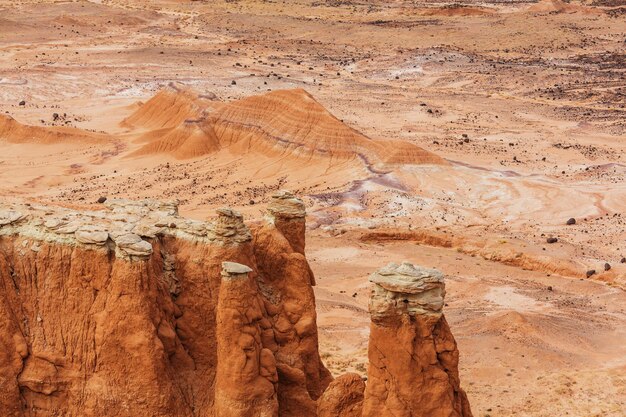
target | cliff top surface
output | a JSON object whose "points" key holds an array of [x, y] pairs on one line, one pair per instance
{"points": [[123, 224]]}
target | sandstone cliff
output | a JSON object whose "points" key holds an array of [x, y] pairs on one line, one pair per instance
{"points": [[131, 311]]}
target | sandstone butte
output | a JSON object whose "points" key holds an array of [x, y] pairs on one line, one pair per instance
{"points": [[132, 310]]}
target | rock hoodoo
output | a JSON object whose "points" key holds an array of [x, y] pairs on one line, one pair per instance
{"points": [[413, 357], [251, 391], [287, 213], [286, 282]]}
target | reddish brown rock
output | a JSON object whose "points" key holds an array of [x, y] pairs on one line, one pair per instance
{"points": [[115, 312], [131, 310], [286, 280], [246, 371], [343, 397], [287, 213], [413, 357]]}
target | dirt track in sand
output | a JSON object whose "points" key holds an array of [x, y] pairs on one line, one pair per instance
{"points": [[526, 101]]}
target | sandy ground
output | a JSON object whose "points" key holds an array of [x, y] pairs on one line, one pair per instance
{"points": [[526, 101], [531, 344]]}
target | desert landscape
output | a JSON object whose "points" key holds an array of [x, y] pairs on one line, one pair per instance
{"points": [[484, 139]]}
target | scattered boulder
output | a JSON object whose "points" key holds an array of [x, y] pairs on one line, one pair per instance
{"points": [[591, 272], [552, 240], [607, 266], [102, 200], [570, 221]]}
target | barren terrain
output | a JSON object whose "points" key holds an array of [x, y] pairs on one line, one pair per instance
{"points": [[456, 136]]}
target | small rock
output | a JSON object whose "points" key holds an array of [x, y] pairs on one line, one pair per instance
{"points": [[591, 272], [607, 266], [549, 287], [132, 244], [22, 103], [10, 216], [232, 269], [102, 200], [91, 235], [570, 221], [552, 240]]}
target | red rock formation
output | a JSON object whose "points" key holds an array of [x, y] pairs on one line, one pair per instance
{"points": [[343, 397], [12, 131], [125, 312], [413, 358], [282, 123], [135, 311], [285, 280], [246, 371]]}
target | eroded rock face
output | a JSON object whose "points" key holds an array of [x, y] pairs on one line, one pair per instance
{"points": [[406, 289], [132, 310], [286, 282], [246, 371], [413, 357], [343, 397]]}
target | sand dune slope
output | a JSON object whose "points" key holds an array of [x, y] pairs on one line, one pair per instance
{"points": [[281, 123], [187, 140], [168, 108], [12, 131]]}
